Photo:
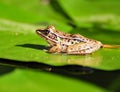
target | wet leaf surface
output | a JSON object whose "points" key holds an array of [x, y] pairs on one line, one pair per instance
{"points": [[24, 64]]}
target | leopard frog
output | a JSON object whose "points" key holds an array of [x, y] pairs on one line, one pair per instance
{"points": [[61, 42]]}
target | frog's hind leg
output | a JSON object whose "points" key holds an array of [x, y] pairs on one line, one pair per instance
{"points": [[83, 48]]}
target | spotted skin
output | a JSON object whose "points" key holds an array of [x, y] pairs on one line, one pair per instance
{"points": [[68, 43]]}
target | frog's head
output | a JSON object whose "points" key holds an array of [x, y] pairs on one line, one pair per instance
{"points": [[49, 34]]}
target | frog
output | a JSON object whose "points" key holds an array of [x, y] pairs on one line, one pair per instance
{"points": [[61, 42]]}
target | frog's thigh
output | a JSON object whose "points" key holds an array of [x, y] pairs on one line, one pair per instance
{"points": [[55, 49], [81, 48]]}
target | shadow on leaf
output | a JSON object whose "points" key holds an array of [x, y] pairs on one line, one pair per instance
{"points": [[98, 77], [6, 69], [34, 46]]}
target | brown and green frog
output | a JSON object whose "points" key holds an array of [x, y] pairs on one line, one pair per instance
{"points": [[61, 42]]}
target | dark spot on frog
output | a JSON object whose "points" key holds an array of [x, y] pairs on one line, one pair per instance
{"points": [[72, 42]]}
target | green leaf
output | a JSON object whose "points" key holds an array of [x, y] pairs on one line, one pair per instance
{"points": [[18, 22], [35, 12], [28, 80], [24, 44], [89, 13]]}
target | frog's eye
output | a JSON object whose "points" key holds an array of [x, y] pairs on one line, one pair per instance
{"points": [[47, 32]]}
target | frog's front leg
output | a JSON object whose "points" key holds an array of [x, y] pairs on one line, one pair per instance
{"points": [[83, 48], [55, 49]]}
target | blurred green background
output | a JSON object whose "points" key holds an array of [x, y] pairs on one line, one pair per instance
{"points": [[25, 67]]}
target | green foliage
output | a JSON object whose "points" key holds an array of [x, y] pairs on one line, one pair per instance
{"points": [[97, 19]]}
